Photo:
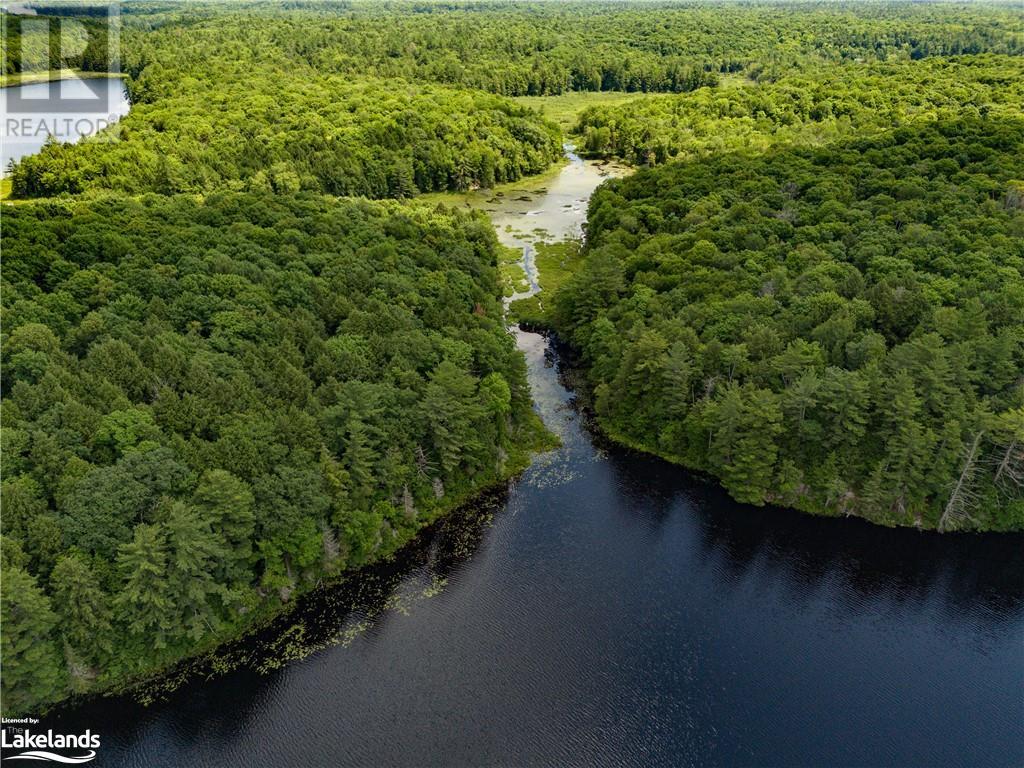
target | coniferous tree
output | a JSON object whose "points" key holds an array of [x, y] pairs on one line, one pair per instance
{"points": [[33, 670], [193, 552], [226, 503], [83, 607], [146, 599]]}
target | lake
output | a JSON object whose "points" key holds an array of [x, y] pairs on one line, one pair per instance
{"points": [[67, 109], [609, 609]]}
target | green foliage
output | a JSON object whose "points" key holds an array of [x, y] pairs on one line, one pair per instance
{"points": [[145, 602], [227, 503], [832, 328], [221, 384], [539, 49], [391, 101], [285, 130], [33, 669], [812, 105], [556, 263], [165, 467], [83, 607]]}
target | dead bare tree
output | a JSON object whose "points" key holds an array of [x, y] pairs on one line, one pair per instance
{"points": [[963, 499], [423, 464], [331, 547], [408, 505], [1010, 471]]}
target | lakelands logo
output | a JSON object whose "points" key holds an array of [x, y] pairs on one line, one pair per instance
{"points": [[38, 746]]}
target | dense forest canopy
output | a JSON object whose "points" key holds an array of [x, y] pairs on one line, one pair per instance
{"points": [[223, 381], [838, 329], [813, 107], [291, 97], [209, 403], [286, 131], [519, 49]]}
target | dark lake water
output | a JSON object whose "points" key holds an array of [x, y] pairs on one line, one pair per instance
{"points": [[608, 609]]}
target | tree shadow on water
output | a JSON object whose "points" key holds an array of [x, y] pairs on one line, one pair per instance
{"points": [[253, 667]]}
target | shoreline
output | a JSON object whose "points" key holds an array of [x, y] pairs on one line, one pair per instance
{"points": [[169, 676], [599, 429], [54, 75]]}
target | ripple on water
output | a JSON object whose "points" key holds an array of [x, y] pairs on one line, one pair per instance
{"points": [[608, 609]]}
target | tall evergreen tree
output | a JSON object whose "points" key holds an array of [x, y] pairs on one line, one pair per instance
{"points": [[226, 502], [146, 599], [83, 607], [193, 554], [33, 671]]}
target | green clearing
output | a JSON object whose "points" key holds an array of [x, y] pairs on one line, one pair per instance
{"points": [[565, 109], [50, 75], [510, 268], [556, 263]]}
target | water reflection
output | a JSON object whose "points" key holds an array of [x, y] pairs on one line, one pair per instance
{"points": [[68, 110], [337, 614], [907, 567], [611, 609]]}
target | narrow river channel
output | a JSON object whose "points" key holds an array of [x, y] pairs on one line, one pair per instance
{"points": [[609, 609]]}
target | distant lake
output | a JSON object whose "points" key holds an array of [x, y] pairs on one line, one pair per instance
{"points": [[609, 609], [67, 109]]}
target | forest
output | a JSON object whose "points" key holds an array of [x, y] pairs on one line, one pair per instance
{"points": [[835, 329], [386, 101], [240, 357], [273, 131], [209, 404], [542, 49], [820, 105]]}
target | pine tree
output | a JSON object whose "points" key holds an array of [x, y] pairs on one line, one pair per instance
{"points": [[845, 399], [497, 398], [451, 409], [83, 607], [724, 419], [145, 601], [638, 385], [604, 349], [678, 374], [32, 667], [750, 475], [799, 401], [358, 459], [897, 484], [193, 554], [226, 502]]}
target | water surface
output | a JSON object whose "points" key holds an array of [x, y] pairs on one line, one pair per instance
{"points": [[67, 109], [547, 208], [608, 609]]}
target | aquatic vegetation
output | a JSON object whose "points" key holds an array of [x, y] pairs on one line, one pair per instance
{"points": [[245, 391], [226, 385]]}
